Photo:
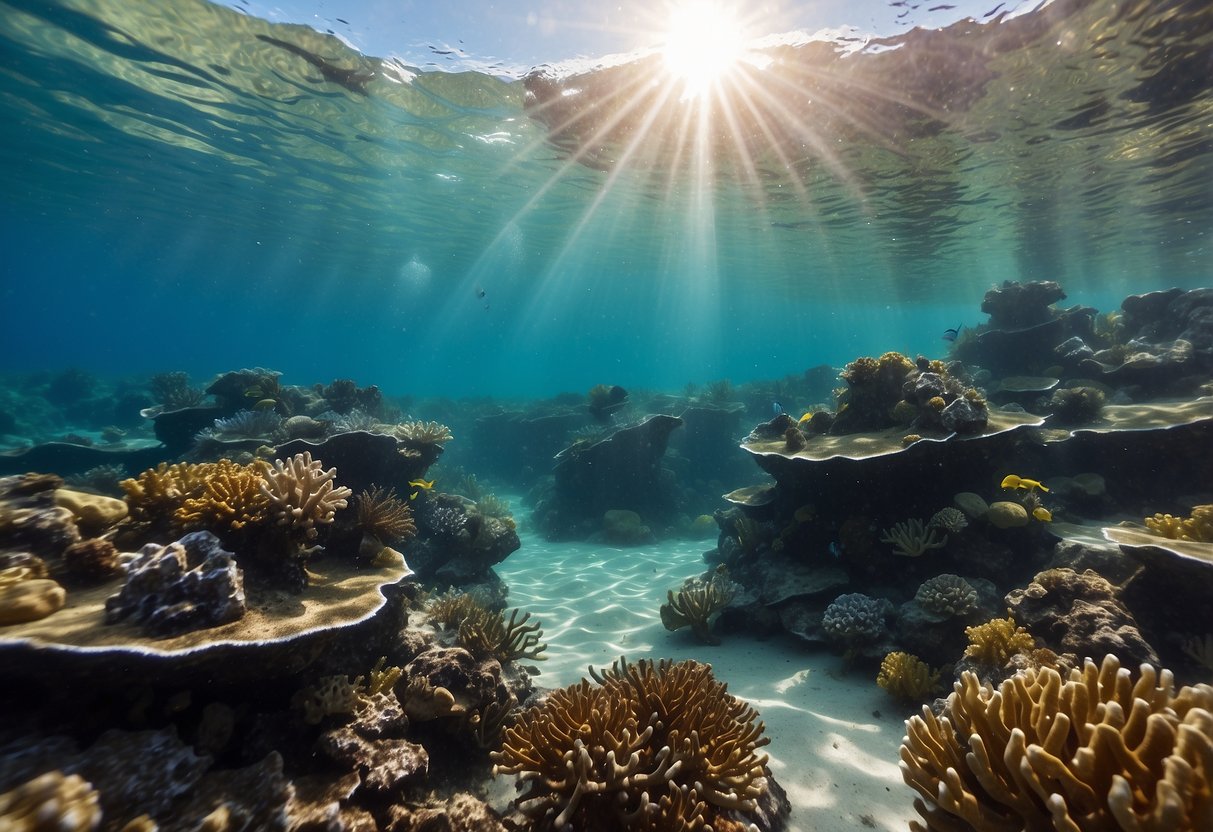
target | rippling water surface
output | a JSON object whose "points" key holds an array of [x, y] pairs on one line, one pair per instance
{"points": [[187, 186]]}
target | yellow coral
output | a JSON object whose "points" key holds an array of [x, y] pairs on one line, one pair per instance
{"points": [[1198, 527], [906, 676], [51, 801], [1096, 751], [995, 642], [155, 495], [229, 500], [697, 605]]}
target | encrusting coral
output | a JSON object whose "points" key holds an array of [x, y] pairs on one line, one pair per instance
{"points": [[697, 604], [302, 494], [1094, 751], [907, 677], [995, 642], [651, 741], [912, 538]]}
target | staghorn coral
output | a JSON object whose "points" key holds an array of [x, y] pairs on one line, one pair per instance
{"points": [[302, 494], [1198, 527], [231, 498], [424, 433], [698, 603], [995, 642], [51, 802], [912, 538], [907, 677], [1094, 751], [589, 757], [484, 632], [947, 595], [385, 516]]}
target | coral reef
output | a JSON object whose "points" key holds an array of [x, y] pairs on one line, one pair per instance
{"points": [[907, 677], [484, 632], [230, 498], [1098, 750], [698, 603], [385, 516], [423, 433], [1076, 405], [650, 739], [994, 643]]}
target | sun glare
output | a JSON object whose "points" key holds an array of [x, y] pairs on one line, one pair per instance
{"points": [[703, 42]]}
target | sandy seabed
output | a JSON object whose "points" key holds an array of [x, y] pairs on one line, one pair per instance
{"points": [[834, 737]]}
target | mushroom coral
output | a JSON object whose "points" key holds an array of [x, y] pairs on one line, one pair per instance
{"points": [[653, 745], [1096, 751]]}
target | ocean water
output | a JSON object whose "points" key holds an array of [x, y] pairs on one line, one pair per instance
{"points": [[190, 188]]}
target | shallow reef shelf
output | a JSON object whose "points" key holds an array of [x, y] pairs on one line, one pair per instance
{"points": [[280, 634]]}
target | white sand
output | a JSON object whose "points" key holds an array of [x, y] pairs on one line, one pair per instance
{"points": [[834, 756]]}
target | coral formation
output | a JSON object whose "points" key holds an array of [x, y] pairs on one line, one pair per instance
{"points": [[854, 618], [230, 498], [1076, 405], [423, 433], [385, 516], [1198, 527], [698, 604], [90, 561], [1098, 750], [651, 739], [912, 538], [946, 596], [485, 632], [907, 677], [951, 520], [995, 642], [302, 494], [51, 801], [190, 584]]}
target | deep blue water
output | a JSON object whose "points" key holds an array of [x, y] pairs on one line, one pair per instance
{"points": [[184, 192]]}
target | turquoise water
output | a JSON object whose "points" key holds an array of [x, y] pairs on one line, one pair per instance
{"points": [[185, 188]]}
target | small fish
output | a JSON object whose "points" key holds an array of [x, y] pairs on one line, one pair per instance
{"points": [[806, 417], [265, 404], [777, 408], [425, 484], [952, 334], [1042, 514], [835, 549], [482, 295], [1013, 481]]}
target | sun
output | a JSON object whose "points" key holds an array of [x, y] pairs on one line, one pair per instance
{"points": [[703, 42]]}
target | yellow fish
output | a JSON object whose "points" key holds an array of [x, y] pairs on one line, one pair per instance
{"points": [[427, 485], [806, 417], [1013, 481], [1042, 514]]}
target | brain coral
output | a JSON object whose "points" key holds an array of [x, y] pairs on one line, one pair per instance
{"points": [[652, 742], [854, 617], [1096, 751]]}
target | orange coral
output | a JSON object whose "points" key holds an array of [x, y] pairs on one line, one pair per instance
{"points": [[230, 498]]}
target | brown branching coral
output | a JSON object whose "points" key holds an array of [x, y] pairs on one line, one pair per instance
{"points": [[450, 608], [995, 642], [230, 498], [1095, 751], [697, 605], [155, 495], [302, 494], [591, 757], [907, 677], [385, 516], [484, 632]]}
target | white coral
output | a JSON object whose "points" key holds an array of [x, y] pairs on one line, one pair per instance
{"points": [[303, 494]]}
